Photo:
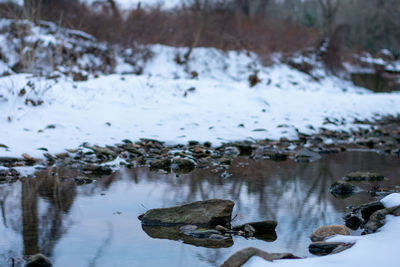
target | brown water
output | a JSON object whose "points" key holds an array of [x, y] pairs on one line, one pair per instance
{"points": [[96, 224]]}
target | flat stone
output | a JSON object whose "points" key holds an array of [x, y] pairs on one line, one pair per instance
{"points": [[208, 213], [325, 231], [322, 248], [242, 256]]}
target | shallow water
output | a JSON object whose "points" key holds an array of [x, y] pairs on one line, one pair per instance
{"points": [[96, 224]]}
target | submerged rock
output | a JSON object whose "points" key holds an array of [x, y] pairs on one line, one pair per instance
{"points": [[342, 189], [364, 176], [242, 256], [325, 231], [209, 213], [38, 260]]}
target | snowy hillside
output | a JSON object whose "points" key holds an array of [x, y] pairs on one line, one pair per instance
{"points": [[97, 98]]}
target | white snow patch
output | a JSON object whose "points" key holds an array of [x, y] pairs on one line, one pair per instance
{"points": [[391, 200]]}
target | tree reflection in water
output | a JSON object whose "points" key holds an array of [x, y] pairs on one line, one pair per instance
{"points": [[36, 213]]}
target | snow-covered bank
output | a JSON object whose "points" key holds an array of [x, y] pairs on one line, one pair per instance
{"points": [[379, 249], [166, 103], [209, 98]]}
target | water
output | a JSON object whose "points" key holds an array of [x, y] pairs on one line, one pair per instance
{"points": [[96, 224]]}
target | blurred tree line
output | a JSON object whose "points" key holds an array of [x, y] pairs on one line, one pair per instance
{"points": [[263, 26]]}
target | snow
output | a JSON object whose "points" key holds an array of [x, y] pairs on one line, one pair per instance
{"points": [[391, 200], [157, 104], [379, 249]]}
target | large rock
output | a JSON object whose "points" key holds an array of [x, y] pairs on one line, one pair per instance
{"points": [[364, 176], [368, 209], [325, 231], [377, 219], [242, 256], [38, 260], [208, 213]]}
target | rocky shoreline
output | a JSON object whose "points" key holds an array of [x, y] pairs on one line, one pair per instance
{"points": [[381, 136]]}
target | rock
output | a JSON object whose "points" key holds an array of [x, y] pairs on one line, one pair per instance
{"points": [[9, 173], [245, 148], [264, 230], [225, 161], [262, 226], [364, 176], [342, 189], [322, 248], [284, 256], [208, 213], [268, 153], [353, 222], [242, 256], [182, 165], [62, 155], [174, 233], [207, 144], [38, 260], [193, 143], [97, 169], [164, 163], [221, 229], [202, 233], [305, 155], [325, 231], [342, 248], [377, 219], [28, 159], [368, 209]]}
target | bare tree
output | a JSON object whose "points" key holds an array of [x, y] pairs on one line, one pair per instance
{"points": [[329, 10]]}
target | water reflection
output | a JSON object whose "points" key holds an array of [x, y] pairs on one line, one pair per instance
{"points": [[96, 224]]}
